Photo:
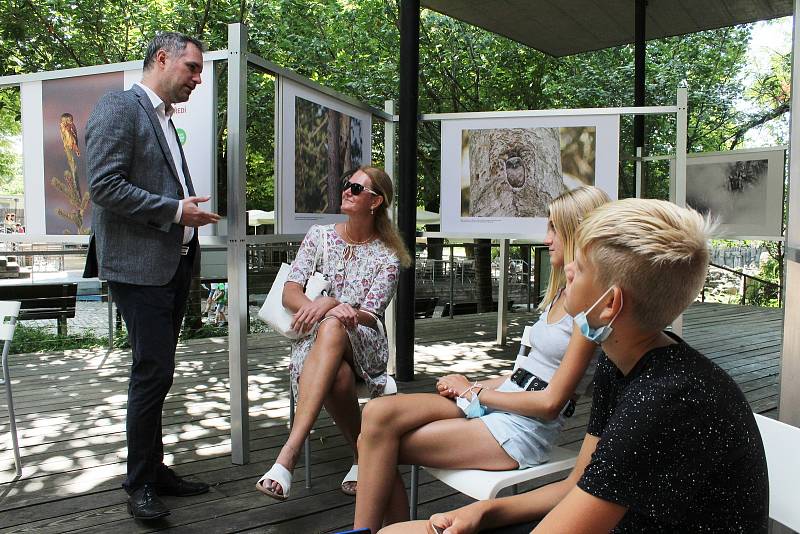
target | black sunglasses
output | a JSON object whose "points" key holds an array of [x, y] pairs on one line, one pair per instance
{"points": [[356, 189]]}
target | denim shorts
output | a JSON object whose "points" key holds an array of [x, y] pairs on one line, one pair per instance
{"points": [[527, 440]]}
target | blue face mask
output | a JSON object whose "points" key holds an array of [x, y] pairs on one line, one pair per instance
{"points": [[471, 408], [597, 335]]}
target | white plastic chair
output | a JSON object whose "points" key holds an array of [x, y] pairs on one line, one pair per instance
{"points": [[9, 311], [781, 445], [482, 485], [361, 392]]}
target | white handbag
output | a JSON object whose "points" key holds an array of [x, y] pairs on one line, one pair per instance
{"points": [[272, 311]]}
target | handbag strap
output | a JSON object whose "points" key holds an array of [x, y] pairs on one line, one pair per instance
{"points": [[378, 322]]}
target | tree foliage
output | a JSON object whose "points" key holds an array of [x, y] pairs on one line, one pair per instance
{"points": [[352, 46], [10, 130]]}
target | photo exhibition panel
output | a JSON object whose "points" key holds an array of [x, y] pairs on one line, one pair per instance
{"points": [[500, 174], [742, 189], [320, 139], [54, 117]]}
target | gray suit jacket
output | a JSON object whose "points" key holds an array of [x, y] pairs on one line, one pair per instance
{"points": [[135, 192]]}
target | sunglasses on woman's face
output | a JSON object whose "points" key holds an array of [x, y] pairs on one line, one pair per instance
{"points": [[356, 188]]}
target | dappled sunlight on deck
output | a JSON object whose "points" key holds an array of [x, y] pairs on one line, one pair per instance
{"points": [[71, 419]]}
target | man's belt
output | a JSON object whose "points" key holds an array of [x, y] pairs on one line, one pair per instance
{"points": [[530, 382]]}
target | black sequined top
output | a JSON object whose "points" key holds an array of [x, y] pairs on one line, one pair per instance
{"points": [[679, 446]]}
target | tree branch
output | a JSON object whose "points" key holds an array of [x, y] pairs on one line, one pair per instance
{"points": [[767, 116], [52, 31]]}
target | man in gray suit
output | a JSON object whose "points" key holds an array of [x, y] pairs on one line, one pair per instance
{"points": [[144, 242]]}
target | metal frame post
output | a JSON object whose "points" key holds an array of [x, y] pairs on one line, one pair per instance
{"points": [[639, 176], [682, 127], [110, 317], [407, 181], [389, 130], [452, 282], [502, 294], [237, 225], [681, 131], [789, 400], [528, 281]]}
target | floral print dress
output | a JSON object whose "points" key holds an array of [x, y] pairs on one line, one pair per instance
{"points": [[364, 276]]}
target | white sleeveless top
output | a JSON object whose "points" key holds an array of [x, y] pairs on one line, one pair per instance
{"points": [[548, 346]]}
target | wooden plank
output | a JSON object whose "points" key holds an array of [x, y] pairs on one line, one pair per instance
{"points": [[71, 412]]}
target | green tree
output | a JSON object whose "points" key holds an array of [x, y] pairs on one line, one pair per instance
{"points": [[10, 163], [352, 47]]}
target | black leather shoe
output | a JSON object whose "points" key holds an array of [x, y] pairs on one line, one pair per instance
{"points": [[145, 504], [170, 483]]}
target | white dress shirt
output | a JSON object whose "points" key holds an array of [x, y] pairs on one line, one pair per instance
{"points": [[164, 118]]}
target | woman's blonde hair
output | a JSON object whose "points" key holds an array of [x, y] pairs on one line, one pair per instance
{"points": [[566, 213], [387, 230]]}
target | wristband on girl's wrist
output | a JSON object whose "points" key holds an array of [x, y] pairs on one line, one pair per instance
{"points": [[472, 389]]}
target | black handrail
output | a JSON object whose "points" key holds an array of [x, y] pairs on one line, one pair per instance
{"points": [[776, 287]]}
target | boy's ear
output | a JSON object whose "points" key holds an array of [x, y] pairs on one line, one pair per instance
{"points": [[611, 305]]}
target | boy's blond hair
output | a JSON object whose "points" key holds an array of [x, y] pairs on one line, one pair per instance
{"points": [[566, 212], [655, 251]]}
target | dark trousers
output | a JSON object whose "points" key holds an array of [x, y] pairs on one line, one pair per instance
{"points": [[153, 317]]}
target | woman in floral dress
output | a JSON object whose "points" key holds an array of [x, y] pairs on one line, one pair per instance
{"points": [[361, 258]]}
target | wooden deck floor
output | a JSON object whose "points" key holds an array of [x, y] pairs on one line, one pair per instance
{"points": [[70, 411]]}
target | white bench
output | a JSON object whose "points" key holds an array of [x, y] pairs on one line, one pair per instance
{"points": [[782, 448]]}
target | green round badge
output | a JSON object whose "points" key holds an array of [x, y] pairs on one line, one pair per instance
{"points": [[181, 135]]}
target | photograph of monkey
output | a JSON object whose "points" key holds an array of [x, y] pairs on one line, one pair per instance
{"points": [[517, 172], [327, 144]]}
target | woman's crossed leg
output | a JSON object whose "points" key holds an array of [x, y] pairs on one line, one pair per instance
{"points": [[423, 429]]}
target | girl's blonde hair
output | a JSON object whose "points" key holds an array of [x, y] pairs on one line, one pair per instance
{"points": [[566, 212], [387, 230]]}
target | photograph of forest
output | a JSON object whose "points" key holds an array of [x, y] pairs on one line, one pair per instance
{"points": [[328, 143]]}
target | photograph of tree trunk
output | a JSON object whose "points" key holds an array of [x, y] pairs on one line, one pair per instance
{"points": [[517, 172], [328, 143]]}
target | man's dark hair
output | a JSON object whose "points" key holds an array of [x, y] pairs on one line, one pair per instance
{"points": [[173, 43]]}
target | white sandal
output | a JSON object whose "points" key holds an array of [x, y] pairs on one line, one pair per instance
{"points": [[282, 476], [351, 476]]}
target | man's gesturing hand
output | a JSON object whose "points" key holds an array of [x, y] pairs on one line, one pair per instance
{"points": [[192, 215]]}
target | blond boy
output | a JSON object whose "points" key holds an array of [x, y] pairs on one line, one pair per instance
{"points": [[672, 445]]}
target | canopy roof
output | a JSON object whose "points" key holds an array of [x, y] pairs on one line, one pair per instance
{"points": [[562, 28]]}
